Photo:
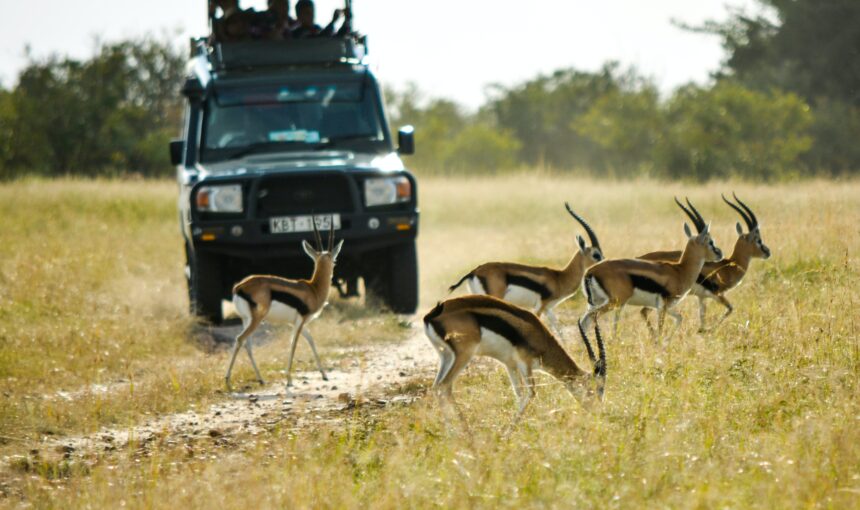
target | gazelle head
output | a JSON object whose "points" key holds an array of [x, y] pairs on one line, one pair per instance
{"points": [[321, 256], [751, 242], [591, 254], [701, 242]]}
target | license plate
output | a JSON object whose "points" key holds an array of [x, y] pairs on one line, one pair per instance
{"points": [[288, 224]]}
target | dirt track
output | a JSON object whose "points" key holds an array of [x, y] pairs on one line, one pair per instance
{"points": [[369, 376]]}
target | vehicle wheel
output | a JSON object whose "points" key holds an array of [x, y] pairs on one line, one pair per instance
{"points": [[204, 286], [403, 293]]}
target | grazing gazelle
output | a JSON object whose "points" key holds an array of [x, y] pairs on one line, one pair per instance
{"points": [[478, 325], [717, 278], [536, 288], [298, 302], [613, 284]]}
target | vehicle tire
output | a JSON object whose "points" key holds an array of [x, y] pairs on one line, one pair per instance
{"points": [[402, 295], [205, 286]]}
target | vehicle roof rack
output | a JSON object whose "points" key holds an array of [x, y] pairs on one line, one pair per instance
{"points": [[226, 56]]}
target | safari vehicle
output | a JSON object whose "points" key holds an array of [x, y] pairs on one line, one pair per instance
{"points": [[281, 133]]}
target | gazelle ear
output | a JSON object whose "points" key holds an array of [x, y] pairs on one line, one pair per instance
{"points": [[581, 242], [309, 250], [687, 231], [336, 251], [739, 228]]}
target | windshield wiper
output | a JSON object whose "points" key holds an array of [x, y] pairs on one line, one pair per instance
{"points": [[334, 140]]}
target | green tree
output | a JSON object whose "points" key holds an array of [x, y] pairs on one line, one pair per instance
{"points": [[811, 48], [112, 113], [543, 113], [729, 130], [628, 125], [448, 138]]}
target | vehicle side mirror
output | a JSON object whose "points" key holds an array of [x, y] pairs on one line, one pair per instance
{"points": [[406, 140], [176, 149]]}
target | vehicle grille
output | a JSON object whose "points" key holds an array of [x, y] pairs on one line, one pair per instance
{"points": [[303, 194]]}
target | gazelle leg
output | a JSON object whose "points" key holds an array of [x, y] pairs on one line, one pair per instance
{"points": [[584, 336], [591, 315], [250, 324], [661, 319], [644, 311], [615, 320], [600, 366], [253, 363], [446, 361], [702, 310], [516, 381], [729, 309], [525, 373], [553, 322], [307, 335], [678, 319], [445, 387], [297, 329]]}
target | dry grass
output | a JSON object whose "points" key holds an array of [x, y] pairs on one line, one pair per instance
{"points": [[762, 413]]}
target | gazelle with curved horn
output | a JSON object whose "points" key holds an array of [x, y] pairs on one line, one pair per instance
{"points": [[717, 278], [537, 288], [297, 302], [467, 326], [614, 284]]}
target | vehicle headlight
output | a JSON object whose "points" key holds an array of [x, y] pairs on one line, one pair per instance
{"points": [[387, 191], [220, 199]]}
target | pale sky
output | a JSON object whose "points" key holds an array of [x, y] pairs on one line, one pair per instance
{"points": [[449, 48]]}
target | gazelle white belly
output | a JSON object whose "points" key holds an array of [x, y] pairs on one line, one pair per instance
{"points": [[279, 312], [645, 298], [495, 346], [523, 297]]}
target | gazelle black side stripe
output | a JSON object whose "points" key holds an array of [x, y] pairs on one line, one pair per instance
{"points": [[290, 300], [500, 327], [648, 285], [528, 283]]}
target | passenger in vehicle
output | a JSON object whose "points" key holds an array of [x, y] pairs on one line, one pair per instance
{"points": [[234, 23], [278, 23], [305, 12]]}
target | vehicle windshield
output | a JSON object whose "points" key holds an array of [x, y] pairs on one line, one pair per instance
{"points": [[241, 120]]}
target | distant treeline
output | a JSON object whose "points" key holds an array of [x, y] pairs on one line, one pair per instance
{"points": [[786, 103]]}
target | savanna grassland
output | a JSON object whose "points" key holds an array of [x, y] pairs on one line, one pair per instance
{"points": [[762, 413]]}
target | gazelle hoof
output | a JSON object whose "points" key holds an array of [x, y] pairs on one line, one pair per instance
{"points": [[325, 377], [262, 382]]}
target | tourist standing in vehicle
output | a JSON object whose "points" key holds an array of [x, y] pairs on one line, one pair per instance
{"points": [[234, 23], [305, 13], [277, 21]]}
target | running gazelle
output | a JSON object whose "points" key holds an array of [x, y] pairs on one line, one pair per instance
{"points": [[717, 278], [479, 325], [613, 284], [298, 302], [537, 288]]}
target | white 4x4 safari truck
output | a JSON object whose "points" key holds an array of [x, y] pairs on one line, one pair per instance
{"points": [[278, 134]]}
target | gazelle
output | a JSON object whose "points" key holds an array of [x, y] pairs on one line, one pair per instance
{"points": [[717, 278], [536, 288], [477, 325], [298, 302], [613, 284]]}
